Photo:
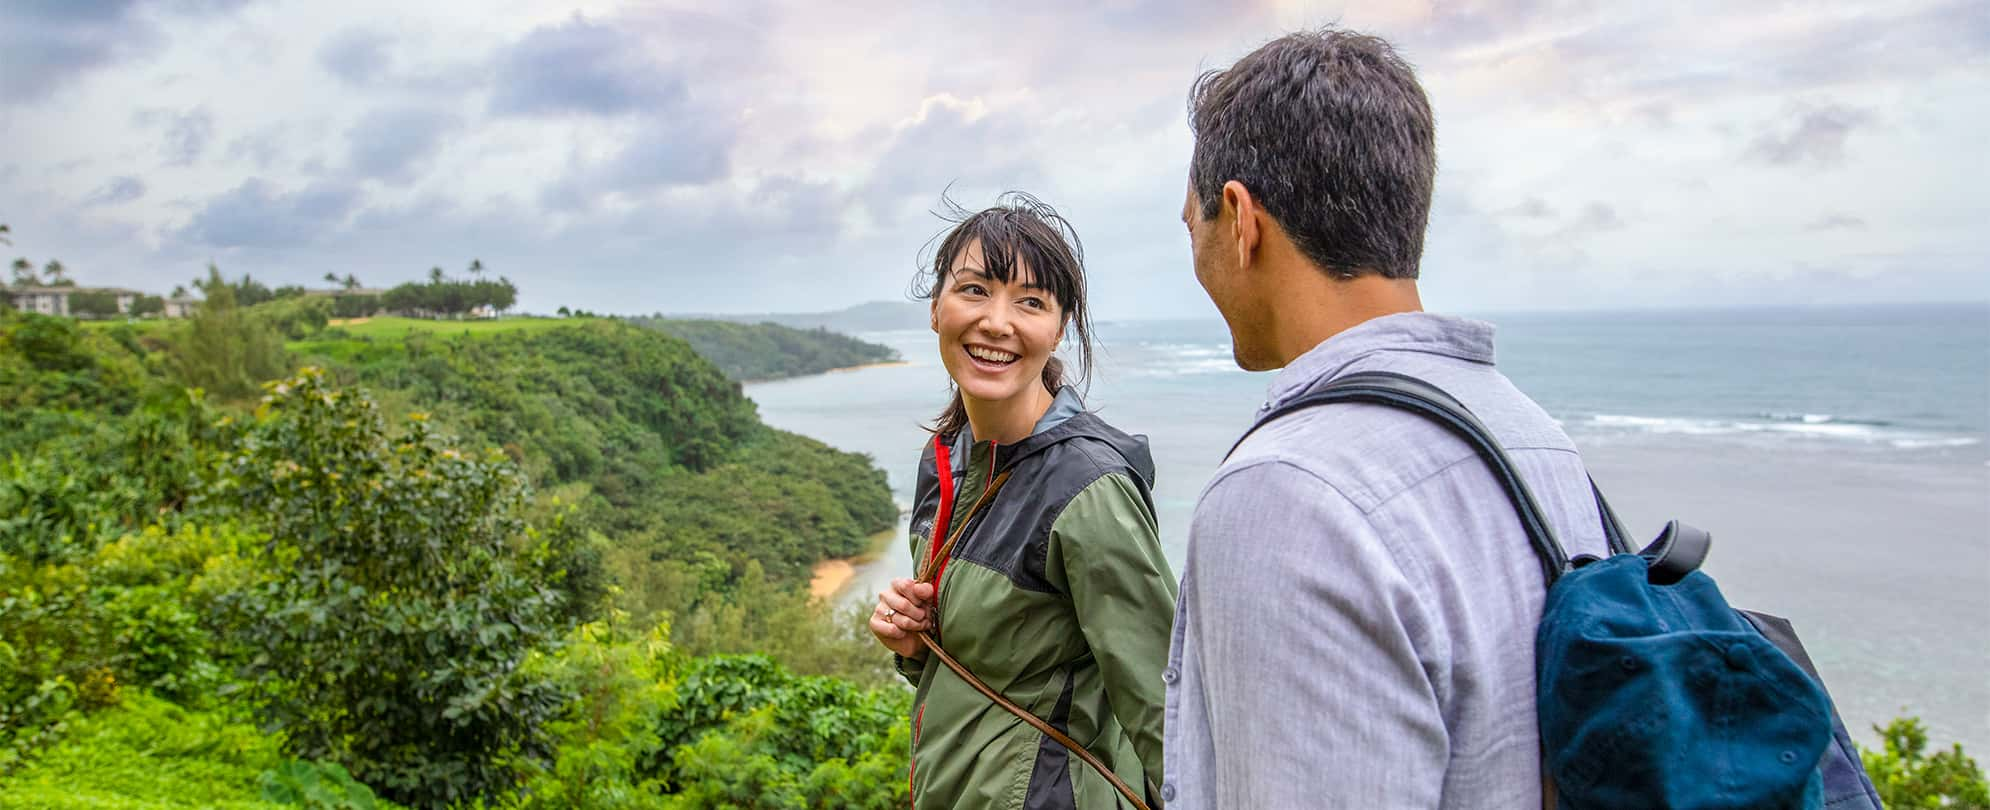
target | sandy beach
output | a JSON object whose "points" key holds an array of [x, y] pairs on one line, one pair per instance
{"points": [[833, 576]]}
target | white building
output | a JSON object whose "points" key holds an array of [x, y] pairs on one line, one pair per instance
{"points": [[55, 300]]}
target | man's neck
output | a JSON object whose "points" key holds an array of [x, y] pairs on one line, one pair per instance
{"points": [[1312, 307]]}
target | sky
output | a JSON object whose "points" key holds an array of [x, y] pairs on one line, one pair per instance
{"points": [[780, 157]]}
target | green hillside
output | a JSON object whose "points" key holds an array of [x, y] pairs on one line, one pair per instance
{"points": [[544, 564]]}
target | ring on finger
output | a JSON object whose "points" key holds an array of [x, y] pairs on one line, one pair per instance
{"points": [[888, 613]]}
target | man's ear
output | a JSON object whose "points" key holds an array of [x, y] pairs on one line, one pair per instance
{"points": [[1244, 230]]}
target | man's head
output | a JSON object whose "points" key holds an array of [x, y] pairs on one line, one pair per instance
{"points": [[1319, 146]]}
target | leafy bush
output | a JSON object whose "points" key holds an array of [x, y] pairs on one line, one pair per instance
{"points": [[397, 608], [147, 753], [1908, 778], [224, 349], [316, 786]]}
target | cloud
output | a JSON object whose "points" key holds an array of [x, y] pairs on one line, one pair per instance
{"points": [[579, 67], [258, 216], [117, 190], [1817, 139], [46, 45], [1836, 222], [1530, 208], [1595, 218], [390, 144], [357, 55], [187, 135]]}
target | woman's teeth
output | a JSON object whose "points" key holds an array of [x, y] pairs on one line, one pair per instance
{"points": [[991, 355]]}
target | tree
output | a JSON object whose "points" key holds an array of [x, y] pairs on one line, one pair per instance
{"points": [[1908, 778], [179, 291], [402, 598], [56, 275], [4, 233], [24, 273], [93, 303], [435, 275], [331, 278], [476, 268], [222, 348], [351, 281], [147, 305]]}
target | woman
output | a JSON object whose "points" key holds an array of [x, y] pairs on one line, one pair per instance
{"points": [[1055, 593]]}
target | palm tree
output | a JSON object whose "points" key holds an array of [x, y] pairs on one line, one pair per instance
{"points": [[180, 291], [24, 274], [351, 281], [331, 278], [4, 231], [477, 268], [56, 275], [435, 275]]}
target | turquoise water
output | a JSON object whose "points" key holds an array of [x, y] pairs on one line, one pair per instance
{"points": [[1838, 455]]}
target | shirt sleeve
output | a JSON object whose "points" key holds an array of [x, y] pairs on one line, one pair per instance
{"points": [[1105, 551], [1309, 639]]}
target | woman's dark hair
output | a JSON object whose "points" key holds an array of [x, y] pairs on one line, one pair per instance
{"points": [[1019, 234]]}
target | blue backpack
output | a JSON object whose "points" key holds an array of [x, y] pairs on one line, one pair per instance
{"points": [[1652, 692]]}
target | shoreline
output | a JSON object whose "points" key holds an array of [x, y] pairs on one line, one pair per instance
{"points": [[838, 370], [832, 576]]}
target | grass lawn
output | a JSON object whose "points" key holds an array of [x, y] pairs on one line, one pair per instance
{"points": [[389, 327]]}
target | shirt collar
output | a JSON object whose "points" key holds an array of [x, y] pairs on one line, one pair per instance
{"points": [[1424, 332], [1062, 407]]}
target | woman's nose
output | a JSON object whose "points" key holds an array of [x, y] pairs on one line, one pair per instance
{"points": [[995, 323]]}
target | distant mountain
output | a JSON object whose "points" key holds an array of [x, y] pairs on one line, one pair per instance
{"points": [[876, 316]]}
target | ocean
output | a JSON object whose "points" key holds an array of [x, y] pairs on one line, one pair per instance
{"points": [[1838, 456]]}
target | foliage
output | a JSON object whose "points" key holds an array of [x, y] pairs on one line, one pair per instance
{"points": [[398, 607], [94, 303], [767, 351], [1908, 778], [382, 602], [295, 317], [147, 305], [316, 786], [621, 682], [441, 296], [354, 305], [224, 349], [747, 733], [147, 753]]}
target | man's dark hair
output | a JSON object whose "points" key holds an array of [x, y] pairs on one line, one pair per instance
{"points": [[1333, 136]]}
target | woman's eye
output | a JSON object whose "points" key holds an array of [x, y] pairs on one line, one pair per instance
{"points": [[973, 289], [1033, 303]]}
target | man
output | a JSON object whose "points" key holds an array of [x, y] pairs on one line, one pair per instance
{"points": [[1357, 614]]}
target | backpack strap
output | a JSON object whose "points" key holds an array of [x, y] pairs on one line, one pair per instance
{"points": [[1426, 400]]}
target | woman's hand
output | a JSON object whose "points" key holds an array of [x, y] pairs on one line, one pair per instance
{"points": [[900, 615]]}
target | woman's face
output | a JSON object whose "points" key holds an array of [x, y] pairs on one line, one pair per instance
{"points": [[994, 338]]}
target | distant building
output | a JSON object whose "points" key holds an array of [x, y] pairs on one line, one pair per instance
{"points": [[55, 300], [45, 300], [182, 307]]}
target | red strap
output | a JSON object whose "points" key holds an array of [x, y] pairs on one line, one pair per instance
{"points": [[942, 458]]}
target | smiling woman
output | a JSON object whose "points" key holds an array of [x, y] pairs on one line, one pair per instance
{"points": [[1054, 595]]}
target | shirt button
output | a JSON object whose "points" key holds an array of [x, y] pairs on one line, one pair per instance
{"points": [[1170, 675], [1168, 792]]}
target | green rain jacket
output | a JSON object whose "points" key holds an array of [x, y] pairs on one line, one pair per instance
{"points": [[1058, 597]]}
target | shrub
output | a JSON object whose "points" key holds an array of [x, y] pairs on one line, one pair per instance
{"points": [[398, 606], [1908, 778]]}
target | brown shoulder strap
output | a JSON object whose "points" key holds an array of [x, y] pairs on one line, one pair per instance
{"points": [[926, 571]]}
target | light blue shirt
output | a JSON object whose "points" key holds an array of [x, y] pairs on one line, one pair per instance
{"points": [[1357, 613]]}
